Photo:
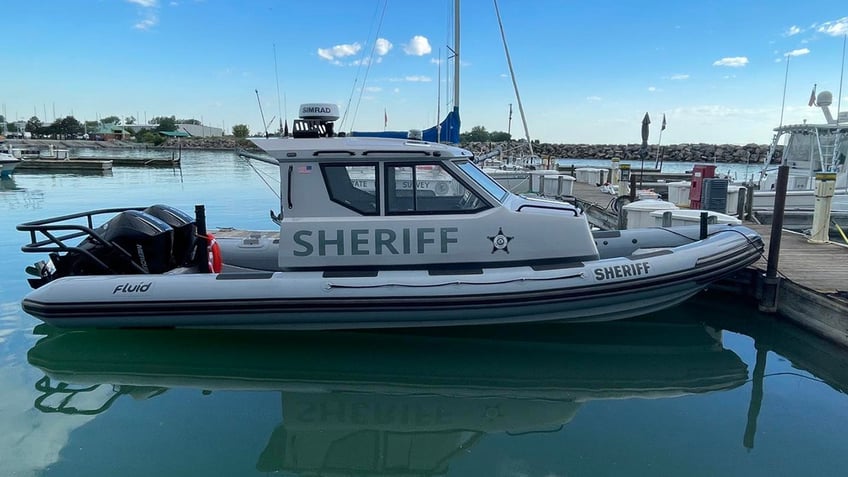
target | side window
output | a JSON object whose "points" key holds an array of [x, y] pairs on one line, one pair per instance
{"points": [[427, 189], [353, 186]]}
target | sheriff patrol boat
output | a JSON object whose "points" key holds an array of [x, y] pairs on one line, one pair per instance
{"points": [[389, 253]]}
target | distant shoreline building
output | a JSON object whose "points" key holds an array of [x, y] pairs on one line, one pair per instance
{"points": [[192, 130]]}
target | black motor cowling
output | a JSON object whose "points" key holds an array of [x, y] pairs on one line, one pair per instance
{"points": [[185, 232], [129, 243]]}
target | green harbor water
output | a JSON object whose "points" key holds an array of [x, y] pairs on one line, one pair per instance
{"points": [[709, 388]]}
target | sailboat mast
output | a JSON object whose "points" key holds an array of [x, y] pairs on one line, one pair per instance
{"points": [[439, 100], [456, 55], [514, 83]]}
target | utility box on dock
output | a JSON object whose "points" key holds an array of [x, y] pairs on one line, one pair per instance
{"points": [[639, 213], [537, 179], [714, 195], [591, 175], [700, 172], [678, 193], [557, 185]]}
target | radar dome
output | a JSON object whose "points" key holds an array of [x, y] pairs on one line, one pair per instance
{"points": [[321, 111], [825, 98]]}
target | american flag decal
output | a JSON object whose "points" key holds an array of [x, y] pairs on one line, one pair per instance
{"points": [[304, 169]]}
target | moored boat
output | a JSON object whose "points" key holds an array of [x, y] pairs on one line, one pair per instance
{"points": [[809, 149], [8, 163], [351, 253]]}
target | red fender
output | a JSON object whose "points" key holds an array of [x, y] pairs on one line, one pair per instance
{"points": [[216, 263]]}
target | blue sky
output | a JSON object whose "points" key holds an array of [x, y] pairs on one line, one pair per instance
{"points": [[587, 71]]}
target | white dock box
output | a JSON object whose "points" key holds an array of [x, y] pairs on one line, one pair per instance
{"points": [[591, 175], [678, 193], [692, 217], [639, 212], [733, 192], [536, 179], [558, 185]]}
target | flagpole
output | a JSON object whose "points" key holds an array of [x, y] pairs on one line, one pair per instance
{"points": [[841, 76], [659, 144], [659, 141]]}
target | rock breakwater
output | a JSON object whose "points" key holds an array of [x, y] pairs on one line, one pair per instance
{"points": [[725, 153]]}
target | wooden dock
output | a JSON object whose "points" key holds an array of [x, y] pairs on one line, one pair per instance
{"points": [[813, 285], [62, 165], [140, 161], [812, 289], [93, 164]]}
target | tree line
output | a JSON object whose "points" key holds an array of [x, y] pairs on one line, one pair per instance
{"points": [[70, 127], [479, 134]]}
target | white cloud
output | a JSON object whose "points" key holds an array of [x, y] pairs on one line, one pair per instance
{"points": [[148, 13], [373, 89], [593, 98], [412, 79], [339, 51], [834, 28], [679, 77], [798, 52], [418, 46], [653, 89], [382, 46], [148, 22], [792, 31], [732, 61]]}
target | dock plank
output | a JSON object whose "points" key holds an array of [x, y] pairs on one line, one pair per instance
{"points": [[819, 267]]}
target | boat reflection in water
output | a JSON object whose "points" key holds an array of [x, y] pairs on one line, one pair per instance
{"points": [[391, 402]]}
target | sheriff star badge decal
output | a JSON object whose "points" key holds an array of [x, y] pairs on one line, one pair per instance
{"points": [[500, 241]]}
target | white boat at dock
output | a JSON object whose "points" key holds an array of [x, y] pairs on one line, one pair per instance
{"points": [[8, 163], [809, 149], [387, 255]]}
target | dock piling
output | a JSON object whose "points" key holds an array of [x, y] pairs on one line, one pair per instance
{"points": [[771, 282], [825, 187]]}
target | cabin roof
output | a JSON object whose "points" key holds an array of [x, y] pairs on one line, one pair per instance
{"points": [[809, 128], [347, 148]]}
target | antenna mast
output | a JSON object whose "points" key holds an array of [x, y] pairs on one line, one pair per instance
{"points": [[514, 83], [277, 76], [264, 124]]}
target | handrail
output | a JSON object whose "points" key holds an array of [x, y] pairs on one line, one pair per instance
{"points": [[54, 242]]}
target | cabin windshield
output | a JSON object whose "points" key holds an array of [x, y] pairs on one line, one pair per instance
{"points": [[427, 188], [407, 188], [480, 177]]}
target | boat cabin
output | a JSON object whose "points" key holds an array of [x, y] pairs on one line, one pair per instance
{"points": [[360, 202]]}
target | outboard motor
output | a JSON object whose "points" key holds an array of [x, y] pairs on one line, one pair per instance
{"points": [[135, 242], [185, 232]]}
